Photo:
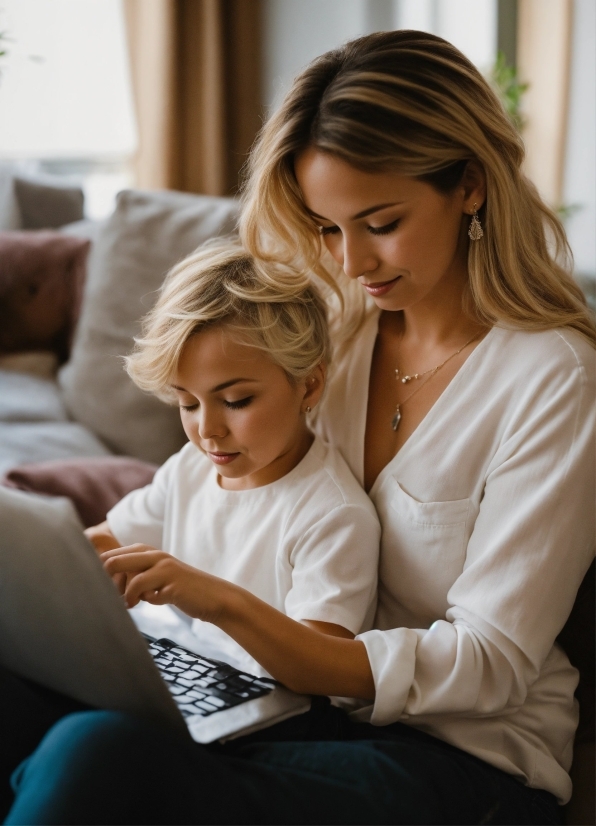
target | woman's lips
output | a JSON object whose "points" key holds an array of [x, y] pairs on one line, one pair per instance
{"points": [[381, 287], [222, 458]]}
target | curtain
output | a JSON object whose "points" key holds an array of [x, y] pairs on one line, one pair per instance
{"points": [[543, 61], [195, 68]]}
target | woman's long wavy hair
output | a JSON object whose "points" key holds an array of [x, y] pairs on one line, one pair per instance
{"points": [[410, 102]]}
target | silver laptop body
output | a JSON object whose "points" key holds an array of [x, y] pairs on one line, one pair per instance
{"points": [[63, 625]]}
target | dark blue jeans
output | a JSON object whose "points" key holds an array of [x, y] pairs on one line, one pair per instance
{"points": [[319, 768]]}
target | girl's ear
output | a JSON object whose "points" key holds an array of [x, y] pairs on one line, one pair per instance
{"points": [[474, 186], [314, 385]]}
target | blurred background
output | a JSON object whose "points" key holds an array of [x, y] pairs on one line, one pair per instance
{"points": [[169, 94]]}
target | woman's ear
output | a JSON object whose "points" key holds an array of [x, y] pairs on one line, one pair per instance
{"points": [[314, 385], [473, 184]]}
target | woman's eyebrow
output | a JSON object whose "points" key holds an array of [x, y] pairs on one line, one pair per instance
{"points": [[364, 213]]}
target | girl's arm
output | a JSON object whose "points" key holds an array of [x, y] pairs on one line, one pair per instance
{"points": [[102, 538], [305, 659]]}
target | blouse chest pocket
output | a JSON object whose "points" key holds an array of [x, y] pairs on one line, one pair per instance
{"points": [[422, 553]]}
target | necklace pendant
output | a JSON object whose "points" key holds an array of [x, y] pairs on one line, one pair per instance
{"points": [[396, 418]]}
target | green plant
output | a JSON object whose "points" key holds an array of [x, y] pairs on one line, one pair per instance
{"points": [[504, 79], [509, 88]]}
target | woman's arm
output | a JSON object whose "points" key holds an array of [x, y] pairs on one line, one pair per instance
{"points": [[305, 659], [530, 547]]}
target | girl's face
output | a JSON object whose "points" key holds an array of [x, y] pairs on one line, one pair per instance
{"points": [[399, 237], [241, 410]]}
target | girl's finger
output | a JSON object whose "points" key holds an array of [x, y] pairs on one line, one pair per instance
{"points": [[124, 563], [126, 549], [150, 581]]}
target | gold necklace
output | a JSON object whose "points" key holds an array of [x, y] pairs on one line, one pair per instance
{"points": [[431, 372]]}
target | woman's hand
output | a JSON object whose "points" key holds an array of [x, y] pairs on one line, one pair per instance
{"points": [[309, 657], [101, 537], [141, 572]]}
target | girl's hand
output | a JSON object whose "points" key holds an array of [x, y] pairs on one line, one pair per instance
{"points": [[309, 659], [141, 572], [101, 537]]}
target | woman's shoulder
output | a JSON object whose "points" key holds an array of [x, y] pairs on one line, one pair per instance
{"points": [[557, 353]]}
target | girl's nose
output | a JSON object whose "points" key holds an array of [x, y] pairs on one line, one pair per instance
{"points": [[210, 424]]}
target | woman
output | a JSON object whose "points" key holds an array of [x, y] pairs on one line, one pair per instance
{"points": [[462, 400]]}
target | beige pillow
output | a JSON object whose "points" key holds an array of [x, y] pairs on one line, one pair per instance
{"points": [[147, 234]]}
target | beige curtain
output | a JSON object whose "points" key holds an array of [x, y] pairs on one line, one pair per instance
{"points": [[543, 60], [195, 67]]}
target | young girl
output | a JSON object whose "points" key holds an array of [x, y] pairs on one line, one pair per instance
{"points": [[253, 498]]}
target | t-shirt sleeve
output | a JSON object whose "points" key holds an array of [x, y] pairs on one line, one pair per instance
{"points": [[335, 567], [530, 547], [139, 516]]}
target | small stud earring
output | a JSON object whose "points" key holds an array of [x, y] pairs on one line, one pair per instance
{"points": [[308, 409], [475, 230]]}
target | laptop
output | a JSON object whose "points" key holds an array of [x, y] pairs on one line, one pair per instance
{"points": [[64, 625]]}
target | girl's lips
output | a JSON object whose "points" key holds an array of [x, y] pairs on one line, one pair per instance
{"points": [[222, 458], [381, 287]]}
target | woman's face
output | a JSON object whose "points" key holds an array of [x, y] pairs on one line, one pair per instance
{"points": [[399, 237]]}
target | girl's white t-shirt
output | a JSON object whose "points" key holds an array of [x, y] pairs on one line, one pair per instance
{"points": [[487, 516], [307, 544]]}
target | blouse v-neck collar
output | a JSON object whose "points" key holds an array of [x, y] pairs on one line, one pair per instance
{"points": [[429, 418]]}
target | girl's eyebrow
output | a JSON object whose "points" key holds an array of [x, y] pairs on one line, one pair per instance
{"points": [[223, 386], [364, 212]]}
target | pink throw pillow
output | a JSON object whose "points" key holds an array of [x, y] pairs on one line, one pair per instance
{"points": [[93, 485], [42, 274]]}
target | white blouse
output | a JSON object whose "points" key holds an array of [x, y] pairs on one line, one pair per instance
{"points": [[487, 514]]}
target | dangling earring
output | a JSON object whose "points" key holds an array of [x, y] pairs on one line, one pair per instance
{"points": [[475, 230]]}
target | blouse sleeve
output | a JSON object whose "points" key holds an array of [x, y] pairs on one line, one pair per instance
{"points": [[531, 545]]}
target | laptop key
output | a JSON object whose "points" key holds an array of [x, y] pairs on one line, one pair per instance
{"points": [[176, 689]]}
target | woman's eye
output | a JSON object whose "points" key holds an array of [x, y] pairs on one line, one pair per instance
{"points": [[238, 405], [328, 230], [188, 406], [385, 230]]}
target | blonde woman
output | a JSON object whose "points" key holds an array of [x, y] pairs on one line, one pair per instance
{"points": [[463, 402]]}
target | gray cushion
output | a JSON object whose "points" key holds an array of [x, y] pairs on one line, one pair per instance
{"points": [[44, 206], [146, 235], [25, 442], [26, 398], [34, 424], [9, 211]]}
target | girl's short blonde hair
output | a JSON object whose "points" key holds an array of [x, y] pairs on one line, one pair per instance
{"points": [[265, 305]]}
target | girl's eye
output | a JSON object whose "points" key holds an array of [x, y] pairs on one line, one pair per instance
{"points": [[384, 230], [238, 405], [328, 230], [189, 406]]}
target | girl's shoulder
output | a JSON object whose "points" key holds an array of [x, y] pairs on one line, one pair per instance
{"points": [[323, 482]]}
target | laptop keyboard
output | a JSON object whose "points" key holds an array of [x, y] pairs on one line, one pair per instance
{"points": [[202, 686]]}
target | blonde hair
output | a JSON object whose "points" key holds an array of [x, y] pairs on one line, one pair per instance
{"points": [[410, 102], [265, 305]]}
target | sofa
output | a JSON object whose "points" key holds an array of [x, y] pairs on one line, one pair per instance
{"points": [[71, 421]]}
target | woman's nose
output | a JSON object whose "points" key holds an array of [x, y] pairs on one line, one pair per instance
{"points": [[357, 258]]}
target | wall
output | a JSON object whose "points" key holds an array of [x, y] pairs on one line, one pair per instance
{"points": [[296, 31], [580, 165]]}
